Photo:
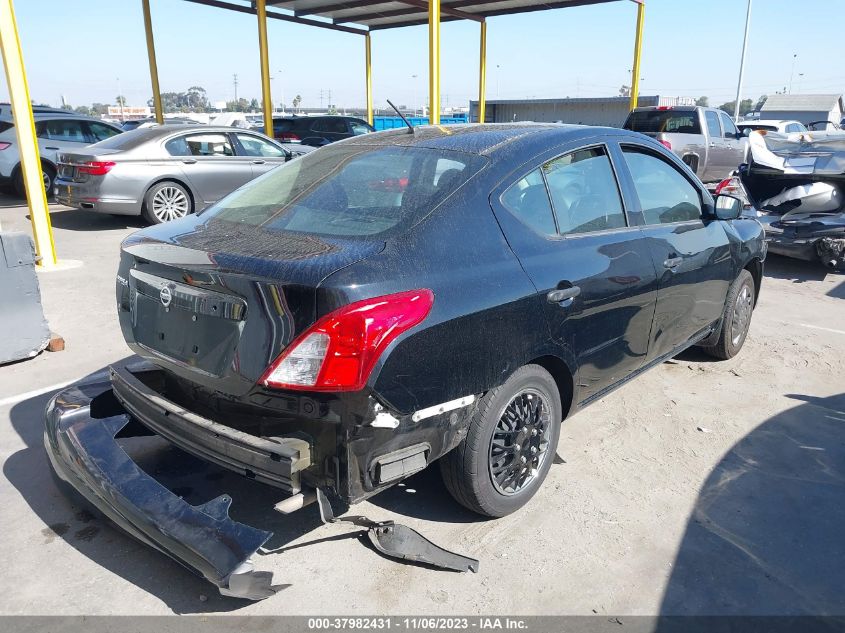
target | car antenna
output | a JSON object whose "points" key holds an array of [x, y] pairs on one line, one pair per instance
{"points": [[401, 116]]}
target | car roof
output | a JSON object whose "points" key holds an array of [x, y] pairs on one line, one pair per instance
{"points": [[161, 131], [768, 122], [482, 138], [42, 116]]}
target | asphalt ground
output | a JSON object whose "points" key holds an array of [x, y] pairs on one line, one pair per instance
{"points": [[701, 488]]}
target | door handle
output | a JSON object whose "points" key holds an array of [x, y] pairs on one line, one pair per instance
{"points": [[189, 161], [712, 144], [56, 148], [564, 296], [673, 262], [258, 162]]}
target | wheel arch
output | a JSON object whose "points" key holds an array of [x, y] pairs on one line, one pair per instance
{"points": [[179, 181], [755, 267], [564, 379]]}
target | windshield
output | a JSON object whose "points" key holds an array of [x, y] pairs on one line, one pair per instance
{"points": [[666, 121], [350, 190]]}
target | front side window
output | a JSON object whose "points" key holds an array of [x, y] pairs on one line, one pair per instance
{"points": [[255, 146], [101, 132], [359, 128], [528, 200], [665, 195], [584, 192], [713, 128], [350, 191], [63, 130], [728, 125]]}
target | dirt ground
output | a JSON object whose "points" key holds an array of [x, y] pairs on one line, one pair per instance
{"points": [[703, 487]]}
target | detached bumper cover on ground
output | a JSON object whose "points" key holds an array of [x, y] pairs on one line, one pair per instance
{"points": [[83, 452]]}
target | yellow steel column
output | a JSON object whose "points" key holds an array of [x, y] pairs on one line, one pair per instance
{"points": [[369, 70], [151, 53], [434, 62], [267, 99], [39, 213], [482, 73], [638, 49]]}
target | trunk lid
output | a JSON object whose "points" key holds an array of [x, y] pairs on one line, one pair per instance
{"points": [[215, 302], [69, 163]]}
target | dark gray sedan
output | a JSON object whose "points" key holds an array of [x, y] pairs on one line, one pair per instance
{"points": [[164, 173]]}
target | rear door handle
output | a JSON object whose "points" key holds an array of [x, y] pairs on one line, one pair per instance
{"points": [[258, 161], [564, 296], [673, 262], [189, 161]]}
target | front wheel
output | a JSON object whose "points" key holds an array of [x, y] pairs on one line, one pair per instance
{"points": [[48, 175], [509, 446], [736, 319], [166, 201]]}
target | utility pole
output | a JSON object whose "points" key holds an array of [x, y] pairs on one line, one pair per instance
{"points": [[235, 82], [742, 62], [792, 71]]}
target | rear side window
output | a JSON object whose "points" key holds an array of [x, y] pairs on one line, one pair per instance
{"points": [[202, 145], [584, 192], [665, 195], [665, 121], [281, 125], [713, 128], [330, 124], [5, 125], [354, 191], [528, 200], [63, 130]]}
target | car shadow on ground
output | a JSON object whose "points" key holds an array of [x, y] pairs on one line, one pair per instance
{"points": [[794, 270], [765, 534], [197, 481], [81, 220]]}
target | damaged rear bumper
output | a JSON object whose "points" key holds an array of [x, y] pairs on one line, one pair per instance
{"points": [[84, 453]]}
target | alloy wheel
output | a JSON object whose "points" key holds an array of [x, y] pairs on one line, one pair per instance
{"points": [[170, 203], [520, 442], [742, 314]]}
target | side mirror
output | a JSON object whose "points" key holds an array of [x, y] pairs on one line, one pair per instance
{"points": [[728, 207]]}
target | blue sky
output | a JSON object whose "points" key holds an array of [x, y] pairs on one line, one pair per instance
{"points": [[84, 49]]}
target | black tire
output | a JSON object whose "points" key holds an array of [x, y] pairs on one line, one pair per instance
{"points": [[49, 178], [739, 307], [181, 197], [467, 470]]}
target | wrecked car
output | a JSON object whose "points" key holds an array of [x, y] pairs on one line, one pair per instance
{"points": [[794, 185], [446, 294]]}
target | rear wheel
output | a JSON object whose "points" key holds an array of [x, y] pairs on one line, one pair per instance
{"points": [[509, 446], [736, 320], [48, 175], [166, 201]]}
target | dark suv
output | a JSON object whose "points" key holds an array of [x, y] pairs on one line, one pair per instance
{"points": [[318, 130]]}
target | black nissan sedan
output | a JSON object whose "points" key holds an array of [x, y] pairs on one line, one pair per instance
{"points": [[447, 294]]}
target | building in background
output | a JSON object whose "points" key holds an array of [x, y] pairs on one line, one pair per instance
{"points": [[804, 108], [610, 111]]}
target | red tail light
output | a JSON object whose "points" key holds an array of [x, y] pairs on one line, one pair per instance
{"points": [[339, 351], [95, 168], [726, 183], [666, 144], [4, 146], [288, 136]]}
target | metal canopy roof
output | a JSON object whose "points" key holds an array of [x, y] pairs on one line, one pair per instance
{"points": [[386, 14]]}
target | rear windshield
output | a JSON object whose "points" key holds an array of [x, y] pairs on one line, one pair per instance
{"points": [[666, 121], [350, 191]]}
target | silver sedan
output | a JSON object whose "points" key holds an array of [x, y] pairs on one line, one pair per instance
{"points": [[164, 173]]}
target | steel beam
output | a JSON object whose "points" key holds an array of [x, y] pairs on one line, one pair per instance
{"points": [[151, 54]]}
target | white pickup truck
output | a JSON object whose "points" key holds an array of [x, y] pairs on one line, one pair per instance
{"points": [[706, 139]]}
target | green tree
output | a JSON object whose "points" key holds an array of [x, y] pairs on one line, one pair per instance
{"points": [[745, 106], [254, 106], [760, 102], [296, 101], [84, 110], [241, 105], [702, 101], [120, 100]]}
